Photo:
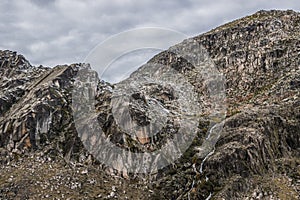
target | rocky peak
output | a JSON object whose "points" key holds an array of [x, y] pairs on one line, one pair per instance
{"points": [[11, 61], [255, 156]]}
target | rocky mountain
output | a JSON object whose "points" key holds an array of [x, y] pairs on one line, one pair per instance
{"points": [[255, 155]]}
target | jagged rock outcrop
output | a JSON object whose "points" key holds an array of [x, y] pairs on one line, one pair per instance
{"points": [[259, 55], [35, 106], [257, 155]]}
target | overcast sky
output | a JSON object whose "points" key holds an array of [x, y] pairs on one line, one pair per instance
{"points": [[55, 32]]}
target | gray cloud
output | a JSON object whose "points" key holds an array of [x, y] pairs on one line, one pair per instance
{"points": [[64, 31]]}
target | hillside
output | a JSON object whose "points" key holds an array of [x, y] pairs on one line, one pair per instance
{"points": [[246, 147]]}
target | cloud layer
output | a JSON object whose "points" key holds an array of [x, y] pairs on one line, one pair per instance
{"points": [[64, 31]]}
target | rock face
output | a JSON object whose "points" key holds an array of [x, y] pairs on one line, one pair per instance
{"points": [[256, 156], [35, 105]]}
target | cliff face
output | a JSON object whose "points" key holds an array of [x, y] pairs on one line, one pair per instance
{"points": [[257, 154], [261, 64], [35, 104]]}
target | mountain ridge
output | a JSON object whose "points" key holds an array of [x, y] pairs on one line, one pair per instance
{"points": [[256, 157]]}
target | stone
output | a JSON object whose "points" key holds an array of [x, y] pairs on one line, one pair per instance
{"points": [[255, 156]]}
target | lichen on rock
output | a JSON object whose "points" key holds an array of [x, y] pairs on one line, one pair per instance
{"points": [[256, 155]]}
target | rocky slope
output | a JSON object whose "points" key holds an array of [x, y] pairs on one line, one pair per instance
{"points": [[257, 154]]}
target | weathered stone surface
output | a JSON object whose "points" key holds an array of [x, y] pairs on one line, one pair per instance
{"points": [[256, 157], [40, 114]]}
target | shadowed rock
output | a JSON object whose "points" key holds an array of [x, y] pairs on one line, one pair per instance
{"points": [[255, 156]]}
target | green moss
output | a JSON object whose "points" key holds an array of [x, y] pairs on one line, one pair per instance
{"points": [[232, 112]]}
